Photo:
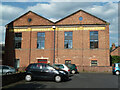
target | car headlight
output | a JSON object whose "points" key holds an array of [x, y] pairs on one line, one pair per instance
{"points": [[62, 72]]}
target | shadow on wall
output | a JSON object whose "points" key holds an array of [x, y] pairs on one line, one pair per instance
{"points": [[9, 55], [110, 60]]}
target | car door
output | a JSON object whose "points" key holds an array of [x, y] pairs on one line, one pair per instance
{"points": [[119, 66], [5, 69], [47, 72], [37, 70]]}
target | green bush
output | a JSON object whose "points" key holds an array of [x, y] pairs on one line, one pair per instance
{"points": [[115, 59]]}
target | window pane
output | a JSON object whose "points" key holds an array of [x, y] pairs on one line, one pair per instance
{"points": [[94, 35], [95, 44], [4, 67], [17, 63], [68, 40], [91, 45], [49, 68], [42, 45], [93, 39], [38, 66], [66, 44], [41, 34], [94, 63], [118, 65], [61, 66], [41, 40], [70, 44], [38, 45], [18, 35], [18, 44], [18, 38], [67, 61]]}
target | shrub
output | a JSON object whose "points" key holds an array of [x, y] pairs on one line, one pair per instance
{"points": [[115, 59]]}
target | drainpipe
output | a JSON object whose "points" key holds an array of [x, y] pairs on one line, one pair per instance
{"points": [[54, 45], [29, 27], [30, 46]]}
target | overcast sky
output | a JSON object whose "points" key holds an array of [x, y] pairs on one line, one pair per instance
{"points": [[54, 11]]}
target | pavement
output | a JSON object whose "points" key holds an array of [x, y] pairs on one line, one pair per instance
{"points": [[81, 80]]}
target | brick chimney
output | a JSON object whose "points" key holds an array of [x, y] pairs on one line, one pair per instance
{"points": [[113, 46]]}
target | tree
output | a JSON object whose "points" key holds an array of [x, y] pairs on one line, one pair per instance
{"points": [[115, 59]]}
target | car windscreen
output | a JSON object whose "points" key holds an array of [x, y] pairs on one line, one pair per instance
{"points": [[55, 67], [5, 67], [60, 66]]}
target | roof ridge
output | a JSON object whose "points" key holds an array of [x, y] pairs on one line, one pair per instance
{"points": [[60, 19], [33, 13], [79, 11]]}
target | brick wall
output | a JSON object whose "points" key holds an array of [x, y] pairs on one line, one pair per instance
{"points": [[74, 19], [95, 69], [36, 20], [80, 54]]}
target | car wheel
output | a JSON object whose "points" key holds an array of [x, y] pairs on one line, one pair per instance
{"points": [[58, 78], [117, 72], [73, 71], [8, 73], [28, 78]]}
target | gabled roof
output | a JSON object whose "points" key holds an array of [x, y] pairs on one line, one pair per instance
{"points": [[33, 13], [82, 11], [60, 19]]}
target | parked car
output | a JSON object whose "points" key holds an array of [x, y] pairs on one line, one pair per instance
{"points": [[73, 68], [5, 70], [45, 72], [63, 67], [116, 68]]}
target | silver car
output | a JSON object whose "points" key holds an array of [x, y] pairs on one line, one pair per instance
{"points": [[5, 70], [63, 67]]}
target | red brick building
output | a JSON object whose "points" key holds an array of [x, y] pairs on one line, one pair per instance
{"points": [[115, 50], [79, 38]]}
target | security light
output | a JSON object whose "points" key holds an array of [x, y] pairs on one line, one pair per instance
{"points": [[53, 27]]}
